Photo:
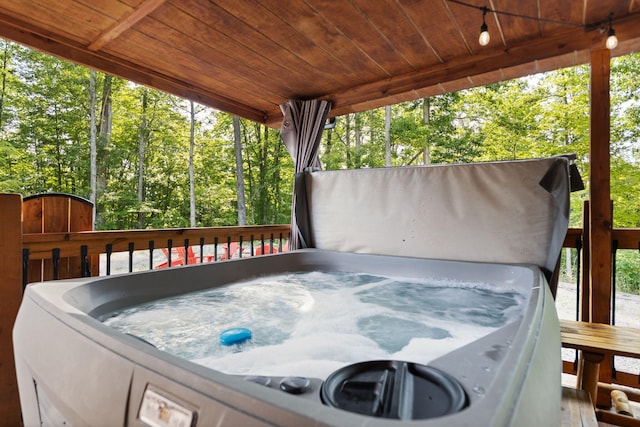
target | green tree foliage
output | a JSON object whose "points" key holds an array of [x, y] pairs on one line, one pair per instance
{"points": [[269, 174], [425, 125], [12, 166], [44, 147], [504, 114], [357, 141], [625, 141], [47, 129]]}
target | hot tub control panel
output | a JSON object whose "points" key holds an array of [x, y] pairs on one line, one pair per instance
{"points": [[158, 410], [384, 389]]}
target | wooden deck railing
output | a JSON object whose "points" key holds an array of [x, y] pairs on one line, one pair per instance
{"points": [[623, 239], [41, 246], [89, 244]]}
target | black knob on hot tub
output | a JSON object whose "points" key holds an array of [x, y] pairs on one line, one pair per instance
{"points": [[393, 389], [295, 385]]}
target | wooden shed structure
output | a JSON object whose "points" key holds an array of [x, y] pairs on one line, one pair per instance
{"points": [[249, 57]]}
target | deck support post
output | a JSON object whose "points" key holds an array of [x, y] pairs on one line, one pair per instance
{"points": [[585, 283], [590, 371], [10, 298], [600, 212], [600, 209]]}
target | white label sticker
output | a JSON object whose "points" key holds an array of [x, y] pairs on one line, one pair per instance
{"points": [[158, 411]]}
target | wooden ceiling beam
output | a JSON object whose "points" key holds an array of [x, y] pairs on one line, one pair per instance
{"points": [[39, 39], [555, 50], [380, 93], [137, 14]]}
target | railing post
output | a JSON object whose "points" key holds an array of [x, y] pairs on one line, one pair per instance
{"points": [[108, 250], [25, 268], [186, 252], [585, 279], [600, 210], [10, 298]]}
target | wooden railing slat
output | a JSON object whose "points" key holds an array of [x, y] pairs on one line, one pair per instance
{"points": [[40, 245], [628, 238]]}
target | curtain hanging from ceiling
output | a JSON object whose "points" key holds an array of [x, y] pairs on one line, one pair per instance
{"points": [[301, 132]]}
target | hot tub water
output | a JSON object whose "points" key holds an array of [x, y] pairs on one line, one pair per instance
{"points": [[312, 323]]}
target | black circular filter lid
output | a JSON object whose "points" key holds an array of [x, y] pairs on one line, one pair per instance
{"points": [[393, 389]]}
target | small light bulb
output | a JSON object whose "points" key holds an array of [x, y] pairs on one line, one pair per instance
{"points": [[612, 40], [484, 35]]}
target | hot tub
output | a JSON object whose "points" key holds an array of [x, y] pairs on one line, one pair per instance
{"points": [[75, 370], [82, 372]]}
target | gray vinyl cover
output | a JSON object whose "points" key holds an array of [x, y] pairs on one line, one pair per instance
{"points": [[507, 212]]}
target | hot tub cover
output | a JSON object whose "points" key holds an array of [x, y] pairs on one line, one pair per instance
{"points": [[507, 212]]}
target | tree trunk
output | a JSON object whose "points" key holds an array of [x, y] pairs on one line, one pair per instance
{"points": [[372, 127], [5, 62], [102, 142], [328, 147], [264, 195], [568, 262], [258, 195], [358, 132], [427, 120], [141, 147], [242, 210], [387, 136], [348, 139], [192, 183], [92, 140], [276, 179], [58, 146]]}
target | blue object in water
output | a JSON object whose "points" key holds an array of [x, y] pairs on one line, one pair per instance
{"points": [[234, 336]]}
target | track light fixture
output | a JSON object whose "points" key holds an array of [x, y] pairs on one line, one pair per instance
{"points": [[612, 40], [484, 30], [611, 43]]}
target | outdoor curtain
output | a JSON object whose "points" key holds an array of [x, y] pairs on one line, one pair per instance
{"points": [[301, 132]]}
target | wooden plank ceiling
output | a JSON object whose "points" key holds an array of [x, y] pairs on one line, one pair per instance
{"points": [[247, 57]]}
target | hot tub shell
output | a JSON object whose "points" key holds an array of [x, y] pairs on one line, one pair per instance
{"points": [[74, 370]]}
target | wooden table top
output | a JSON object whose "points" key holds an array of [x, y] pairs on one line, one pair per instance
{"points": [[600, 338]]}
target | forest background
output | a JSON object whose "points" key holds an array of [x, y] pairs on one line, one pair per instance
{"points": [[162, 161]]}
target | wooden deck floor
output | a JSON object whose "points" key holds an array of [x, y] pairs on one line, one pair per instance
{"points": [[577, 410]]}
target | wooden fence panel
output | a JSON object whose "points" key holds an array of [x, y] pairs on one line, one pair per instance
{"points": [[57, 213]]}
